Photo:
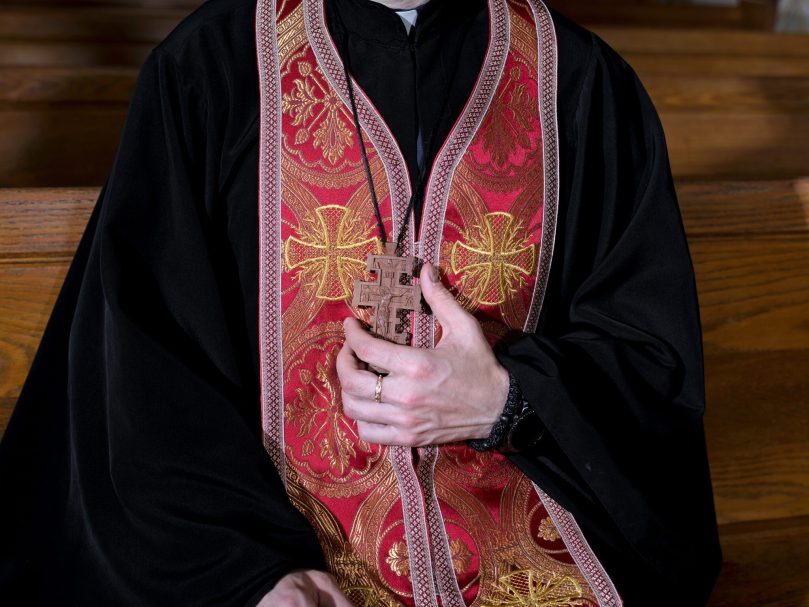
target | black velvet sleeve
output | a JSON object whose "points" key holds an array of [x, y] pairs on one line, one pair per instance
{"points": [[614, 370], [155, 482]]}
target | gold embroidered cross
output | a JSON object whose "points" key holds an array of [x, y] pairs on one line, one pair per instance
{"points": [[494, 257], [330, 252]]}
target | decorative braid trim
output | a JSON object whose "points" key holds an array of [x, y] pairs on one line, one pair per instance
{"points": [[374, 126], [435, 206], [269, 211], [418, 544], [443, 569], [451, 155], [548, 74], [381, 137], [586, 560]]}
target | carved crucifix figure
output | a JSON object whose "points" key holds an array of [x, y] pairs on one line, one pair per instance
{"points": [[387, 295]]}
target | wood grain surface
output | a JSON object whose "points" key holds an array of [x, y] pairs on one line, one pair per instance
{"points": [[43, 222], [66, 85], [753, 292], [757, 427], [729, 94], [59, 146], [6, 407], [718, 66], [114, 24], [725, 208], [26, 53], [659, 14], [765, 565], [680, 43], [735, 145], [56, 134], [29, 290]]}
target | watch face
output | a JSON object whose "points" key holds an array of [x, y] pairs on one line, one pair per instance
{"points": [[526, 431]]}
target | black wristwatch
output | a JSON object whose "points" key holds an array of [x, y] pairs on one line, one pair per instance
{"points": [[518, 429], [525, 433]]}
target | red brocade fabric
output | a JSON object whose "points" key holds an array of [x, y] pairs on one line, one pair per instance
{"points": [[445, 526]]}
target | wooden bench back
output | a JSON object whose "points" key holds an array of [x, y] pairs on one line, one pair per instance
{"points": [[61, 125], [746, 14]]}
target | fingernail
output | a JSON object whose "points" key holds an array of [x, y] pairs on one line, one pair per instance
{"points": [[434, 274]]}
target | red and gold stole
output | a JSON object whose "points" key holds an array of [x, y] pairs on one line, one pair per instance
{"points": [[444, 525]]}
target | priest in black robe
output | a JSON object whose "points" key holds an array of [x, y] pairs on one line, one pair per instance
{"points": [[133, 469]]}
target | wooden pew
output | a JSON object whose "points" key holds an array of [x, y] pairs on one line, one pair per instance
{"points": [[754, 15], [61, 125], [87, 23], [734, 127], [684, 42], [765, 564], [733, 104], [749, 14], [123, 34], [82, 35], [681, 52], [750, 244], [152, 4], [39, 232]]}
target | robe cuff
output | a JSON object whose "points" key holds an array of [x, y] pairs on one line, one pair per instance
{"points": [[518, 428]]}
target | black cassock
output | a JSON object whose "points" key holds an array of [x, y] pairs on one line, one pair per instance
{"points": [[132, 470]]}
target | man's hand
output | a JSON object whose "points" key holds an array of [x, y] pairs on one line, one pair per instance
{"points": [[453, 393], [305, 589]]}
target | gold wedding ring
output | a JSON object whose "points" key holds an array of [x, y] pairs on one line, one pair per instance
{"points": [[378, 390]]}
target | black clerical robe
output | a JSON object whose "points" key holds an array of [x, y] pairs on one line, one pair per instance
{"points": [[133, 469]]}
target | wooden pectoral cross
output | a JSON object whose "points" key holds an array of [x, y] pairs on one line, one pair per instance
{"points": [[391, 296]]}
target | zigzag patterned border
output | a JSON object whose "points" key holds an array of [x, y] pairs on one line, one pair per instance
{"points": [[435, 206], [587, 562], [548, 75], [459, 140], [379, 134], [269, 211], [373, 125]]}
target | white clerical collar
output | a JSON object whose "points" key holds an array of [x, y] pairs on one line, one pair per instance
{"points": [[408, 18]]}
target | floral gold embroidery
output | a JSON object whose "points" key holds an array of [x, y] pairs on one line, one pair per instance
{"points": [[325, 427], [547, 530], [331, 251], [526, 588], [398, 559], [355, 576], [319, 113], [361, 596], [509, 122], [461, 555], [493, 260]]}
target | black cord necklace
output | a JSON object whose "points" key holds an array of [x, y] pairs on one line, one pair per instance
{"points": [[424, 173]]}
